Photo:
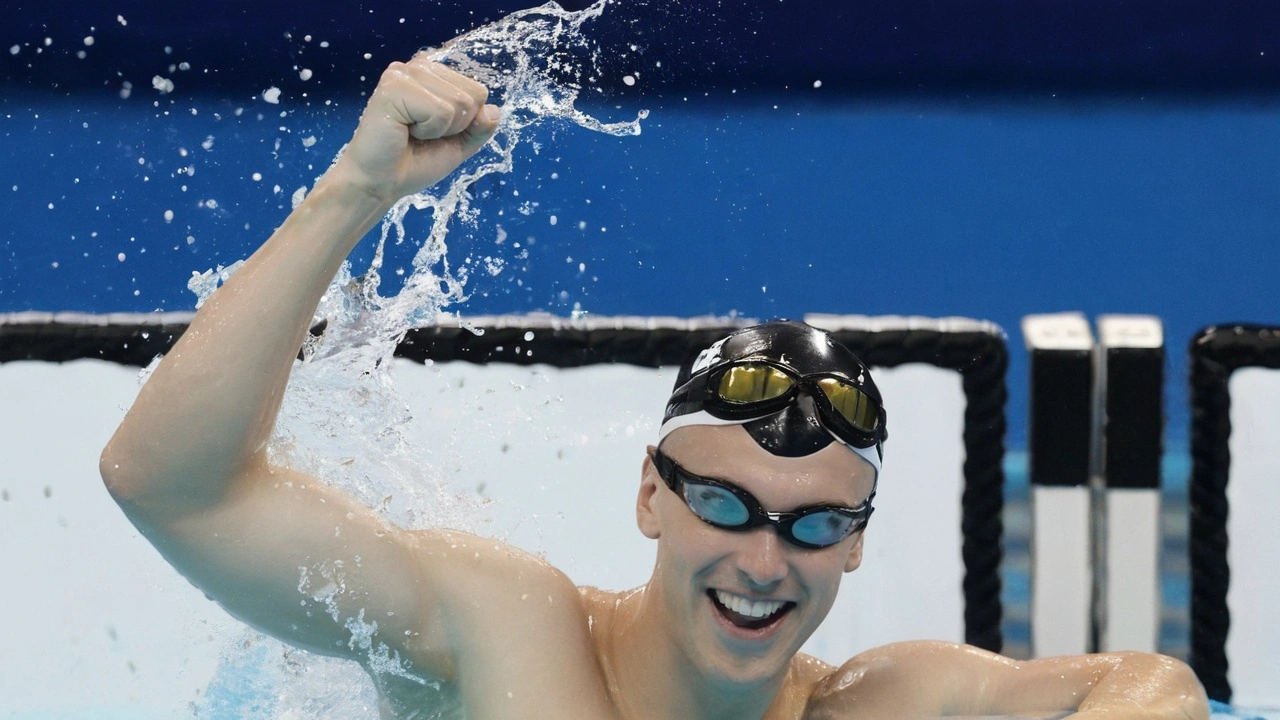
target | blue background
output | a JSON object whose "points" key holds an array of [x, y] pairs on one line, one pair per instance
{"points": [[985, 159]]}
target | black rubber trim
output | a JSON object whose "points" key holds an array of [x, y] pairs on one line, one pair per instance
{"points": [[1134, 420], [1058, 428], [1215, 353], [980, 356]]}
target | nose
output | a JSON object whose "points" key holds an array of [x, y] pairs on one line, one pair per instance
{"points": [[762, 562]]}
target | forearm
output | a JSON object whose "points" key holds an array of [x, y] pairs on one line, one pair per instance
{"points": [[1124, 685], [209, 408], [203, 419], [948, 679]]}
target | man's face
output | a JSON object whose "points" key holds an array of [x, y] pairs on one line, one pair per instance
{"points": [[740, 604]]}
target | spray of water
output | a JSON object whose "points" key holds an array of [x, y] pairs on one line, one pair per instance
{"points": [[536, 64], [342, 419]]}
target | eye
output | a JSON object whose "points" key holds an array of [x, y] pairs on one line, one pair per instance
{"points": [[715, 504], [823, 527]]}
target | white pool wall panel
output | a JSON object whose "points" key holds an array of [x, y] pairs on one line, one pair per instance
{"points": [[1253, 526], [99, 622], [96, 620]]}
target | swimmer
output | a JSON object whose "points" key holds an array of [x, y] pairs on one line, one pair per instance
{"points": [[757, 495]]}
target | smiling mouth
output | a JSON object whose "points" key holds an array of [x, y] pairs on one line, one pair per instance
{"points": [[749, 614]]}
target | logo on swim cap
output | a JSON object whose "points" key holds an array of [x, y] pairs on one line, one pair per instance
{"points": [[790, 385], [707, 357]]}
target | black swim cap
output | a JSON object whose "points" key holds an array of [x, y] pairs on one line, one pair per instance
{"points": [[789, 384]]}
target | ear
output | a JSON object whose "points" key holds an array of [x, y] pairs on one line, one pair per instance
{"points": [[646, 516], [854, 560]]}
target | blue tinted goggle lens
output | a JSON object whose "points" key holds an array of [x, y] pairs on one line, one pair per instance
{"points": [[720, 507], [716, 505], [729, 507], [822, 527]]}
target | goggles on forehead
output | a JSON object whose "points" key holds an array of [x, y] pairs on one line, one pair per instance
{"points": [[726, 506], [751, 388]]}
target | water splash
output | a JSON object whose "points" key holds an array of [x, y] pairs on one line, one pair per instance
{"points": [[536, 64], [342, 419]]}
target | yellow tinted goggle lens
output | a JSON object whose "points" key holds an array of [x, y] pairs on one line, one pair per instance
{"points": [[752, 383], [851, 403]]}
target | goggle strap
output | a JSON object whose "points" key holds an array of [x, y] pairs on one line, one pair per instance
{"points": [[702, 417]]}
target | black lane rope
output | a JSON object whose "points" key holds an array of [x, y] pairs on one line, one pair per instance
{"points": [[1216, 352], [981, 358]]}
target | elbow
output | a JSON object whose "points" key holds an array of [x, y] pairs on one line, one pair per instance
{"points": [[113, 467], [153, 485], [1166, 687], [1176, 684], [1193, 699], [138, 493], [125, 472]]}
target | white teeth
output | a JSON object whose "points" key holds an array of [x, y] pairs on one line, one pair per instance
{"points": [[750, 608]]}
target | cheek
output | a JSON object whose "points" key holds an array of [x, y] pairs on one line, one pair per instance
{"points": [[822, 575], [690, 546], [678, 520]]}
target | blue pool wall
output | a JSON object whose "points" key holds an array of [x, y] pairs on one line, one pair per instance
{"points": [[991, 176]]}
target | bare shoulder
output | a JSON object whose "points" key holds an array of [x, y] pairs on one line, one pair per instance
{"points": [[905, 679], [810, 672], [606, 610]]}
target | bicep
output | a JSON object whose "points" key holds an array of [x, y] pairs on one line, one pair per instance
{"points": [[308, 564]]}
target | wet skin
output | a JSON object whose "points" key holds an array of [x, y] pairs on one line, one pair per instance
{"points": [[504, 634], [697, 562]]}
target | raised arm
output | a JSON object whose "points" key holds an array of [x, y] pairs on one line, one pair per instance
{"points": [[933, 679], [188, 465]]}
